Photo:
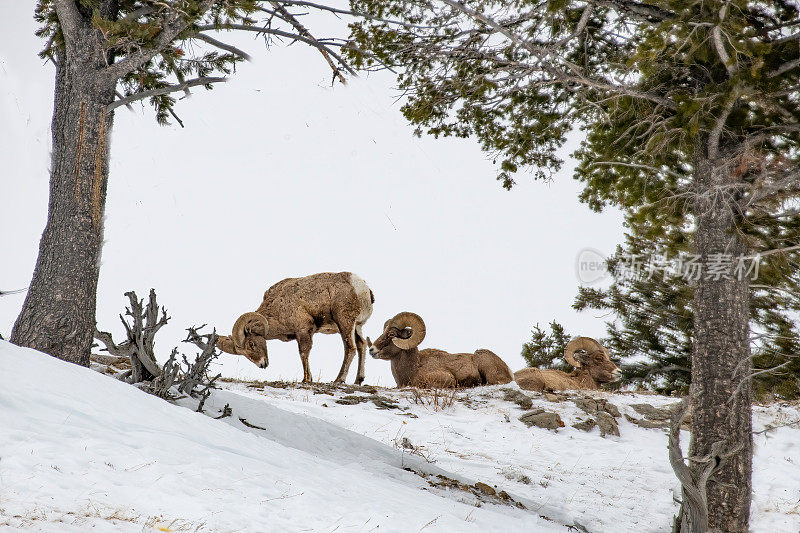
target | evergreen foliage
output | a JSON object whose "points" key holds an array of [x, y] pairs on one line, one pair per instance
{"points": [[651, 327], [691, 115], [177, 43], [648, 83], [653, 320], [546, 350]]}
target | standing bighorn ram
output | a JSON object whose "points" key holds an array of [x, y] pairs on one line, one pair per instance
{"points": [[295, 309], [592, 364], [431, 368]]}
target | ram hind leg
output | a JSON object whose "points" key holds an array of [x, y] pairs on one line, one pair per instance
{"points": [[348, 331], [304, 345], [361, 346], [493, 370]]}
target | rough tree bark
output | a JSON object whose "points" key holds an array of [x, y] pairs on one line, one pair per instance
{"points": [[58, 315], [720, 389]]}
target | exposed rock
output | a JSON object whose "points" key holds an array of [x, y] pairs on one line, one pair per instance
{"points": [[612, 409], [381, 402], [587, 405], [652, 413], [543, 419], [550, 397], [351, 400], [655, 417], [486, 489], [592, 406], [483, 491], [586, 425], [607, 424], [445, 481], [648, 424], [518, 397], [516, 476]]}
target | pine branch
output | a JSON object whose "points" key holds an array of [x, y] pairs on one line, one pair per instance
{"points": [[172, 24], [549, 54]]}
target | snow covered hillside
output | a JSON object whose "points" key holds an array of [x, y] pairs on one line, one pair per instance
{"points": [[604, 484], [79, 449]]}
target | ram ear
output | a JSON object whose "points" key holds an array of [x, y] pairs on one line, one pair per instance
{"points": [[225, 344]]}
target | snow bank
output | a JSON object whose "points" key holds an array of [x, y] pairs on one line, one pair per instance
{"points": [[79, 450]]}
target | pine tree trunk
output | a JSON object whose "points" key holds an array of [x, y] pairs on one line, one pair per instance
{"points": [[58, 316], [720, 389]]}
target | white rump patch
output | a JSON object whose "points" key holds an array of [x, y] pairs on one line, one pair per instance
{"points": [[363, 295]]}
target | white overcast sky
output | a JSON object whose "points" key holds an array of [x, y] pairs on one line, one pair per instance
{"points": [[277, 174]]}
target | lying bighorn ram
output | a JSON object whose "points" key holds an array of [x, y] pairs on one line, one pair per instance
{"points": [[433, 368], [592, 368], [295, 309]]}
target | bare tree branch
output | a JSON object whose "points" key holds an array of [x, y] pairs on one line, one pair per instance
{"points": [[647, 12], [15, 291], [719, 125], [224, 46], [136, 13], [350, 13], [280, 33], [70, 20], [775, 251], [305, 33], [120, 96], [694, 508], [719, 46], [164, 90], [635, 165], [786, 67]]}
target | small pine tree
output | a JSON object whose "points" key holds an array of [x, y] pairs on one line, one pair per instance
{"points": [[546, 350]]}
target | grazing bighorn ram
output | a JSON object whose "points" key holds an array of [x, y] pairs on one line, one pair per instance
{"points": [[592, 368], [295, 309], [431, 368]]}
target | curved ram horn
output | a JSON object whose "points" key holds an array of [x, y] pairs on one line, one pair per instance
{"points": [[409, 320], [248, 323], [581, 343]]}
